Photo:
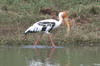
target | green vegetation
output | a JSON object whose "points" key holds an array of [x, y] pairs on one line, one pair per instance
{"points": [[17, 15]]}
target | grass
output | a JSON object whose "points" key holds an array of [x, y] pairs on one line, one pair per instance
{"points": [[17, 15]]}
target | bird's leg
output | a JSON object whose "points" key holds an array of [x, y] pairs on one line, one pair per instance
{"points": [[39, 37], [51, 41]]}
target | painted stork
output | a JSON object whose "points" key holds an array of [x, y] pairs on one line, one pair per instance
{"points": [[45, 26]]}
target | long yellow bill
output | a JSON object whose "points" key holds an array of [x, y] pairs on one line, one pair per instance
{"points": [[68, 25], [66, 22]]}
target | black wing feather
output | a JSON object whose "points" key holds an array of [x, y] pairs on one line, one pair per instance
{"points": [[46, 24]]}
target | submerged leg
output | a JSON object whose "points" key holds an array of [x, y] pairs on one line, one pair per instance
{"points": [[39, 37], [51, 41], [51, 52]]}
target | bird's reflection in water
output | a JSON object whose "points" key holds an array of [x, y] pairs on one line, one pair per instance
{"points": [[42, 60]]}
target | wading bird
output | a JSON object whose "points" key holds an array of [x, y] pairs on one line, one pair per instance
{"points": [[45, 26]]}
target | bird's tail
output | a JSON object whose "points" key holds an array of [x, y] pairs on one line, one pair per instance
{"points": [[26, 32], [29, 30]]}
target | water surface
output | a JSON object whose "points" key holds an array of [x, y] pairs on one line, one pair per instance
{"points": [[48, 56]]}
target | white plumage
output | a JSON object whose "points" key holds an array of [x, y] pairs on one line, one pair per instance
{"points": [[43, 24], [47, 25]]}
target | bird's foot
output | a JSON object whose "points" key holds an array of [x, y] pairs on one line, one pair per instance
{"points": [[35, 46], [35, 43], [53, 46]]}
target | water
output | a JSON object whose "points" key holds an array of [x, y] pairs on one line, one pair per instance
{"points": [[48, 56]]}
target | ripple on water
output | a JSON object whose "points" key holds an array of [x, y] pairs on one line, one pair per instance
{"points": [[40, 46]]}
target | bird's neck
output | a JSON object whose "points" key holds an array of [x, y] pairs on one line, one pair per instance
{"points": [[61, 19]]}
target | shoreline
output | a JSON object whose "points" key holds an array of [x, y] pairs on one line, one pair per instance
{"points": [[17, 15]]}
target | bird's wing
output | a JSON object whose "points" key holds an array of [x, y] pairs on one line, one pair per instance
{"points": [[43, 25], [34, 28], [49, 20], [46, 26]]}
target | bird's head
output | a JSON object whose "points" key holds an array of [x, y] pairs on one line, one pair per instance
{"points": [[65, 19]]}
